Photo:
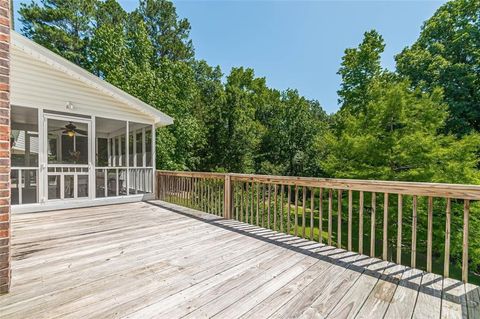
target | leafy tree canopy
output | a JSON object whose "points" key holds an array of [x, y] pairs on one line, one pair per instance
{"points": [[447, 55]]}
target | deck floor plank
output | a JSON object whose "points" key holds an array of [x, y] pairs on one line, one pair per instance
{"points": [[403, 301], [353, 300], [159, 260], [429, 300]]}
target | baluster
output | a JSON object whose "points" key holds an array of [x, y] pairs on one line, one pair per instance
{"points": [[350, 213], [320, 215], [185, 188], [214, 196], [296, 211], [237, 204], [214, 199], [281, 208], [360, 222], [385, 227], [241, 201], [207, 195], [446, 263], [289, 199], [268, 202], [339, 223], [196, 200], [304, 199], [429, 234], [414, 233], [373, 224], [252, 202], [258, 202], [399, 229], [177, 190], [247, 204], [312, 204], [466, 212], [330, 213], [190, 191], [182, 191], [275, 207], [263, 203], [219, 202]]}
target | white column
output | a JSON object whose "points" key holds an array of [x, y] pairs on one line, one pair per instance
{"points": [[114, 151], [109, 152], [154, 164], [42, 156], [120, 158], [92, 138], [127, 156], [144, 155]]}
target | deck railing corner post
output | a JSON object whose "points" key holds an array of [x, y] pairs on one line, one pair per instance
{"points": [[227, 196]]}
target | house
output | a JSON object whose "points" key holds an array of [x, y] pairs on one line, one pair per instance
{"points": [[75, 139]]}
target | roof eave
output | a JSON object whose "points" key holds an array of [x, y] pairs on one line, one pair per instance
{"points": [[62, 64]]}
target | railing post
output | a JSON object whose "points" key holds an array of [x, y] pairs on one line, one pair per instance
{"points": [[227, 197], [158, 184]]}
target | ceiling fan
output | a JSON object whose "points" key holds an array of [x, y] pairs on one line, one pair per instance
{"points": [[71, 130]]}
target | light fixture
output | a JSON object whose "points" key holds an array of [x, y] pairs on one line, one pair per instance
{"points": [[69, 106], [71, 133]]}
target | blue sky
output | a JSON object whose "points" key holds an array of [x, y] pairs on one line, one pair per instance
{"points": [[297, 44]]}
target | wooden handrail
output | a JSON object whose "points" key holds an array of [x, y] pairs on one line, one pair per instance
{"points": [[254, 199], [458, 191]]}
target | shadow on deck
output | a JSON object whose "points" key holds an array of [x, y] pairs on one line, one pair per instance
{"points": [[159, 260], [452, 297]]}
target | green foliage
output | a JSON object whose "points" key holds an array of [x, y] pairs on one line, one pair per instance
{"points": [[359, 67], [396, 138], [447, 55], [168, 34], [292, 126], [63, 26]]}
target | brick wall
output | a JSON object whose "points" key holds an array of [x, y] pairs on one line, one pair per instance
{"points": [[5, 230]]}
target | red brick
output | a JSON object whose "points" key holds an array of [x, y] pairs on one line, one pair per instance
{"points": [[5, 233]]}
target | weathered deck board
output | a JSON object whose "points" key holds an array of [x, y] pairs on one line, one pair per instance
{"points": [[429, 300], [158, 260], [403, 301]]}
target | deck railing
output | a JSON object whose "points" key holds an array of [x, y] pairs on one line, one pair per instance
{"points": [[382, 213]]}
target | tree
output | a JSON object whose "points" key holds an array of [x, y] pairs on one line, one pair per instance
{"points": [[397, 138], [242, 131], [168, 34], [210, 109], [65, 27], [447, 55], [292, 126], [359, 67]]}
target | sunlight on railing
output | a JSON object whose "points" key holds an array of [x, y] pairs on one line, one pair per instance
{"points": [[395, 221]]}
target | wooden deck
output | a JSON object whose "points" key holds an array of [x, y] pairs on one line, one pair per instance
{"points": [[157, 260]]}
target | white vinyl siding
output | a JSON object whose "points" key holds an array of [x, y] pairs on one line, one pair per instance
{"points": [[36, 84]]}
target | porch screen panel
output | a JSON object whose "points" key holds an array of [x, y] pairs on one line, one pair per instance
{"points": [[24, 148], [140, 170], [111, 157]]}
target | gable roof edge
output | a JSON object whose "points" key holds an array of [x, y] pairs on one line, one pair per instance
{"points": [[43, 54]]}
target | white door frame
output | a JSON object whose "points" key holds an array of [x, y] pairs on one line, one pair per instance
{"points": [[44, 160]]}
